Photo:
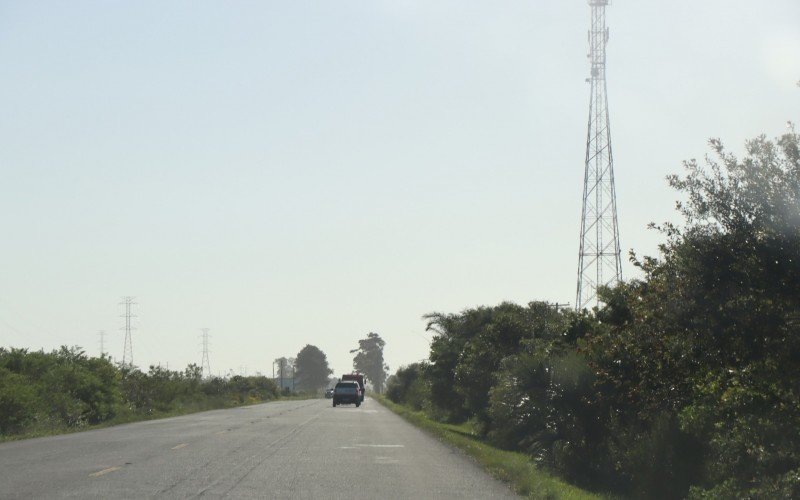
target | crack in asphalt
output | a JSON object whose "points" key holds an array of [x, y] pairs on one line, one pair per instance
{"points": [[265, 457]]}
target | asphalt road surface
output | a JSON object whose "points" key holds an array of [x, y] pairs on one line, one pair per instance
{"points": [[284, 449]]}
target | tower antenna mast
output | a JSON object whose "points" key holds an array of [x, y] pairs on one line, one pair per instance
{"points": [[599, 262]]}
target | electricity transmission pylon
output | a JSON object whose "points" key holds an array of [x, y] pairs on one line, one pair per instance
{"points": [[205, 365], [599, 262], [127, 352]]}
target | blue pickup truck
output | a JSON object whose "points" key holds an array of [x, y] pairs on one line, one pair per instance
{"points": [[347, 392]]}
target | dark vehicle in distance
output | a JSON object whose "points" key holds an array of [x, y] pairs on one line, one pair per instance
{"points": [[329, 393], [356, 377], [347, 392]]}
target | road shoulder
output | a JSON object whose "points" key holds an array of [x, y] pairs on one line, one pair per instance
{"points": [[515, 469]]}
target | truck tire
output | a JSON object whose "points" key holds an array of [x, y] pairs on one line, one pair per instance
{"points": [[358, 404]]}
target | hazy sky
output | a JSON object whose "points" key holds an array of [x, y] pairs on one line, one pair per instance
{"points": [[294, 172]]}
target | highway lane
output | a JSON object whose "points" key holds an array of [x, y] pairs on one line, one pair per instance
{"points": [[284, 449]]}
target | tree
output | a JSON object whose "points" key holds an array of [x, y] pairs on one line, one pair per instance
{"points": [[743, 222], [283, 367], [312, 368], [284, 370], [468, 348], [409, 386], [685, 382], [17, 401], [709, 347], [369, 360]]}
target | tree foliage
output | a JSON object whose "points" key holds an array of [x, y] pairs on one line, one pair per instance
{"points": [[64, 385], [410, 386], [312, 368], [685, 382], [710, 337], [67, 389], [368, 359], [284, 367], [468, 348]]}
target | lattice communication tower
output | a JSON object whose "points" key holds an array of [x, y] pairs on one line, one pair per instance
{"points": [[599, 261]]}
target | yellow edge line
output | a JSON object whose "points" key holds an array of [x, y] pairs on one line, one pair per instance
{"points": [[182, 445], [104, 471]]}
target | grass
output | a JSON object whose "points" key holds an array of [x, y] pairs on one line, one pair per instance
{"points": [[514, 468]]}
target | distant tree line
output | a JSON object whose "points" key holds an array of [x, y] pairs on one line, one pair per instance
{"points": [[684, 383], [309, 371], [66, 389]]}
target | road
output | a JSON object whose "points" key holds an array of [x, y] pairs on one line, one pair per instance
{"points": [[283, 449]]}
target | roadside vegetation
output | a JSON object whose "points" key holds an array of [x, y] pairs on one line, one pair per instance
{"points": [[65, 390], [517, 469], [683, 384]]}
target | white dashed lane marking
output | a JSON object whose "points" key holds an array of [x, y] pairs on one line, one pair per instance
{"points": [[104, 471]]}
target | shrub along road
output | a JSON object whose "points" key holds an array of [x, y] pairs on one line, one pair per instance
{"points": [[284, 449]]}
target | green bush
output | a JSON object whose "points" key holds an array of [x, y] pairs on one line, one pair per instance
{"points": [[398, 385], [63, 386], [418, 395], [684, 382], [66, 389], [18, 402]]}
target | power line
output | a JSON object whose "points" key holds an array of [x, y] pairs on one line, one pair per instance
{"points": [[599, 262]]}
